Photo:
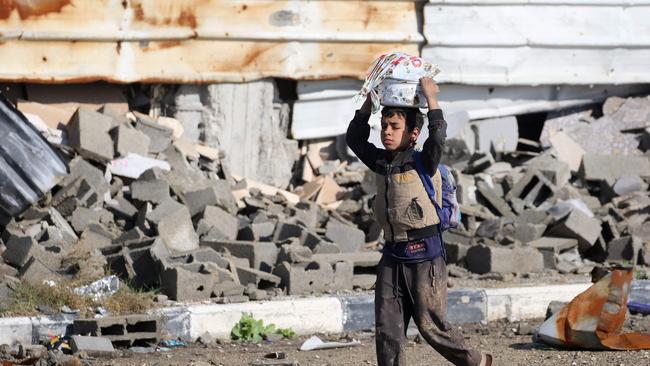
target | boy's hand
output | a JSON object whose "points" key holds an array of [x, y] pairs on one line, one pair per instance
{"points": [[367, 105], [430, 90]]}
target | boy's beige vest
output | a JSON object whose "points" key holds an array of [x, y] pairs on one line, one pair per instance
{"points": [[402, 206]]}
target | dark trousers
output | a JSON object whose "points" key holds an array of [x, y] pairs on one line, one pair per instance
{"points": [[417, 290]]}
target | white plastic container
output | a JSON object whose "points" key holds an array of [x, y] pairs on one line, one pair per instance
{"points": [[401, 93]]}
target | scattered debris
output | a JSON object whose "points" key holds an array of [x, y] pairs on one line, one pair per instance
{"points": [[314, 343], [101, 288]]}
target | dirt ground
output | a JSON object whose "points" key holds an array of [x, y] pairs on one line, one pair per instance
{"points": [[499, 338]]}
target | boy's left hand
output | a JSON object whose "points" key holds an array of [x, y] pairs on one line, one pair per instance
{"points": [[430, 90]]}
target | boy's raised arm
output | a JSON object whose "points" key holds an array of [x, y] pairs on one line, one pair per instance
{"points": [[357, 136], [433, 146]]}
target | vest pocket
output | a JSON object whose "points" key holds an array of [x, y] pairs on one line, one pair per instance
{"points": [[414, 211]]}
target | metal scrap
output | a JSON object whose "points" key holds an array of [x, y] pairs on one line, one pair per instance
{"points": [[594, 319]]}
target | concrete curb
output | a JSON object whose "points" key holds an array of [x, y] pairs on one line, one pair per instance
{"points": [[330, 314]]}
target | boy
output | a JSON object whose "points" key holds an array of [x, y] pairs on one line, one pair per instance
{"points": [[412, 275]]}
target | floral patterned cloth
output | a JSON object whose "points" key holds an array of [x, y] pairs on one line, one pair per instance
{"points": [[395, 65]]}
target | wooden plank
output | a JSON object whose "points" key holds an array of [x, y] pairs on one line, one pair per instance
{"points": [[540, 65], [537, 25]]}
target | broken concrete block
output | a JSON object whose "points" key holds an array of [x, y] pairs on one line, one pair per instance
{"points": [[174, 225], [602, 167], [494, 202], [364, 281], [187, 147], [256, 277], [325, 247], [349, 239], [198, 281], [19, 250], [567, 150], [286, 230], [496, 134], [217, 194], [92, 346], [122, 331], [499, 169], [122, 208], [79, 168], [490, 228], [534, 189], [82, 217], [343, 276], [263, 231], [96, 237], [155, 190], [88, 134], [633, 114], [525, 232], [307, 213], [478, 163], [556, 121], [456, 246], [305, 278], [216, 218], [35, 272], [294, 254], [579, 226], [260, 255], [625, 248], [610, 140], [360, 259], [129, 140], [568, 261], [629, 184], [159, 135], [556, 171], [68, 234], [486, 259], [465, 189], [550, 247]]}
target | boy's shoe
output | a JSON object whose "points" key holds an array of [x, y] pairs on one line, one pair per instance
{"points": [[487, 360]]}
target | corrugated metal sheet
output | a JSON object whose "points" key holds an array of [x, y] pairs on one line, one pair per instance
{"points": [[199, 40], [532, 42]]}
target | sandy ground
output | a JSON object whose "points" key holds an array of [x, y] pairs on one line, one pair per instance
{"points": [[499, 338]]}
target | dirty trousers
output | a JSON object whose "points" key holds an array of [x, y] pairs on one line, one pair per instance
{"points": [[417, 290]]}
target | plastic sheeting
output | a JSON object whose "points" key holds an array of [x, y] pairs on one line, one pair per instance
{"points": [[29, 166]]}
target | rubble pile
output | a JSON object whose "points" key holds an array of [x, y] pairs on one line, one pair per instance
{"points": [[162, 212], [581, 198]]}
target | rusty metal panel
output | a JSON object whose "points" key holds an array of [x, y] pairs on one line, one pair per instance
{"points": [[199, 40], [185, 61], [594, 319]]}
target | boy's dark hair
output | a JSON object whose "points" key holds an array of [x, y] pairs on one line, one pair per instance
{"points": [[413, 116]]}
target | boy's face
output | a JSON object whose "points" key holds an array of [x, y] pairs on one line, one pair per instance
{"points": [[395, 135]]}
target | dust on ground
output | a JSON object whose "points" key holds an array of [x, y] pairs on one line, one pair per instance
{"points": [[500, 338]]}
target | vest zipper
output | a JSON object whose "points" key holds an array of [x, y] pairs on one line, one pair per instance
{"points": [[390, 224]]}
